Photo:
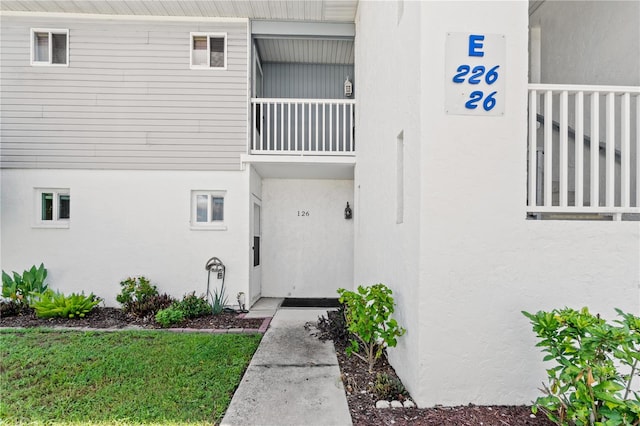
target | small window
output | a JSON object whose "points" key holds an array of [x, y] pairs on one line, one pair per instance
{"points": [[53, 208], [207, 210], [400, 178], [208, 50], [49, 47]]}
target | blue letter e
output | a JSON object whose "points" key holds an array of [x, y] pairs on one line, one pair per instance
{"points": [[475, 43]]}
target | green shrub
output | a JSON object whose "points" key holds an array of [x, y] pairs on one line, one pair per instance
{"points": [[388, 387], [334, 326], [54, 304], [595, 365], [140, 298], [149, 305], [169, 316], [23, 288], [193, 306], [368, 313], [135, 289]]}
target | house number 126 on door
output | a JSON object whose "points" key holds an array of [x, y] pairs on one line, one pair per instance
{"points": [[474, 72]]}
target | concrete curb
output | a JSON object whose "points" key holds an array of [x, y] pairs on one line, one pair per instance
{"points": [[261, 330]]}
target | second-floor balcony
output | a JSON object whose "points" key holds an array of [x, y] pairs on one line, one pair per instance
{"points": [[302, 126], [584, 151]]}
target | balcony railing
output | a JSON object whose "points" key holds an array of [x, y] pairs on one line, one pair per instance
{"points": [[302, 126], [584, 149]]}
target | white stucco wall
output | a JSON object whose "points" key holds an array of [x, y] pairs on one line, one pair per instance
{"points": [[124, 224], [469, 261], [482, 262], [589, 42], [306, 256], [388, 104]]}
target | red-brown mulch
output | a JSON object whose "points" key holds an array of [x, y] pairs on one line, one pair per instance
{"points": [[102, 318]]}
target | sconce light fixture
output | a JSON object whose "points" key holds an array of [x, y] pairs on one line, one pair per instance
{"points": [[348, 88], [347, 212]]}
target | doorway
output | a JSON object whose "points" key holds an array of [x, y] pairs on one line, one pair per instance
{"points": [[256, 245]]}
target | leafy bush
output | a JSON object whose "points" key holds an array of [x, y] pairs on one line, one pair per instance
{"points": [[11, 308], [54, 304], [149, 305], [334, 327], [595, 365], [368, 313], [193, 306], [169, 316], [388, 387], [140, 298], [135, 289], [23, 288]]}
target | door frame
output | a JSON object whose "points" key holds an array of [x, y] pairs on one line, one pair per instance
{"points": [[255, 273]]}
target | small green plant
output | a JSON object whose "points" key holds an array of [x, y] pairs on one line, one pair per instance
{"points": [[219, 300], [334, 326], [148, 306], [595, 366], [169, 316], [388, 387], [55, 304], [23, 288], [193, 306], [135, 289], [140, 298], [368, 313]]}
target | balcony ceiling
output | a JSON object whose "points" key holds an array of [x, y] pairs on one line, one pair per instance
{"points": [[295, 10], [306, 51]]}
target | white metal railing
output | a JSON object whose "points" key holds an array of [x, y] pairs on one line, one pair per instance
{"points": [[584, 149], [302, 126]]}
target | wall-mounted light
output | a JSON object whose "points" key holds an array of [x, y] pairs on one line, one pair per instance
{"points": [[348, 214], [348, 88]]}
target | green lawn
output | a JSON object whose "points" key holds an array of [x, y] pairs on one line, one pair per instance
{"points": [[126, 377]]}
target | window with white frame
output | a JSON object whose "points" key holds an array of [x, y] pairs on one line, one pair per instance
{"points": [[52, 207], [208, 50], [207, 210], [49, 47]]}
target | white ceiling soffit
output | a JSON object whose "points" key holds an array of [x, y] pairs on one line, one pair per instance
{"points": [[304, 171], [297, 10], [306, 51]]}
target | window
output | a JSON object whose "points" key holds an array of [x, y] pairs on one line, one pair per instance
{"points": [[53, 208], [400, 178], [208, 51], [207, 210], [49, 47]]}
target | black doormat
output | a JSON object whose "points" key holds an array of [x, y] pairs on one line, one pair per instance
{"points": [[309, 302]]}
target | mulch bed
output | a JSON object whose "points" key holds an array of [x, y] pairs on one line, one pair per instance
{"points": [[102, 318], [358, 386]]}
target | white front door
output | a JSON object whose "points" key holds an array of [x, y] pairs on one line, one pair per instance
{"points": [[256, 270]]}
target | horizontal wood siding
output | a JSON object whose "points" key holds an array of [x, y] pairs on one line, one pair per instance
{"points": [[128, 99], [307, 81]]}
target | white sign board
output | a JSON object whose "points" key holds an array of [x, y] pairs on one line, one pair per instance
{"points": [[475, 74]]}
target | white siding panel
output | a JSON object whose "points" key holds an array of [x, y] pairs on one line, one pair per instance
{"points": [[127, 100]]}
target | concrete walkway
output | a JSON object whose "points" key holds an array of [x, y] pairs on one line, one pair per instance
{"points": [[293, 378]]}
